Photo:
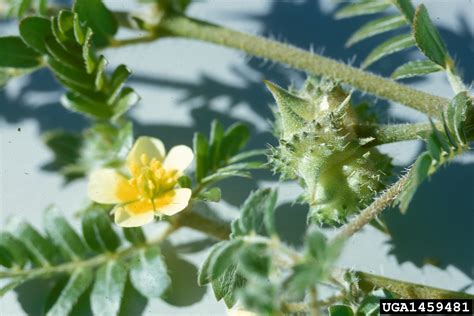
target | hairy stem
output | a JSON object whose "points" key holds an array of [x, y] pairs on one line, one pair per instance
{"points": [[374, 209], [367, 282], [295, 57], [392, 133]]}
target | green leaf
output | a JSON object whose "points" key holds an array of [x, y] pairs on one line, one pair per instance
{"points": [[415, 68], [99, 80], [247, 154], [109, 287], [340, 310], [81, 105], [216, 137], [100, 19], [257, 215], [260, 297], [427, 37], [126, 99], [201, 151], [42, 7], [63, 235], [230, 299], [11, 285], [458, 110], [65, 146], [235, 138], [16, 54], [62, 57], [406, 8], [243, 166], [6, 259], [254, 261], [204, 272], [21, 7], [224, 257], [65, 21], [391, 46], [134, 235], [221, 175], [41, 250], [362, 8], [303, 276], [317, 265], [98, 231], [102, 145], [87, 52], [376, 27], [34, 30], [185, 182], [211, 195], [148, 273], [437, 143], [66, 41], [418, 174], [119, 76], [370, 304], [324, 252], [224, 284], [16, 251], [79, 34], [316, 244], [71, 75], [228, 285], [78, 283]]}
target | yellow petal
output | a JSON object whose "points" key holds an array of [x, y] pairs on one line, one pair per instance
{"points": [[107, 186], [150, 146], [126, 217], [173, 202], [179, 158]]}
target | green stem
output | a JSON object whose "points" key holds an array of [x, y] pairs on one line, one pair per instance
{"points": [[368, 282], [313, 292], [189, 218], [295, 57], [374, 209], [133, 40], [391, 133], [454, 80]]}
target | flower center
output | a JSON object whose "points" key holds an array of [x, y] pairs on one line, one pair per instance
{"points": [[150, 178]]}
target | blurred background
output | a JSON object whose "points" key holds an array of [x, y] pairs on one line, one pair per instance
{"points": [[185, 84]]}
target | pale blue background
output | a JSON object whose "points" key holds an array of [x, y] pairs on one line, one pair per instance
{"points": [[185, 84]]}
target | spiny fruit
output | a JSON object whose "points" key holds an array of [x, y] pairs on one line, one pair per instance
{"points": [[319, 146]]}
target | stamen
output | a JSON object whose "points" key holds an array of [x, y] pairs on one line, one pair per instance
{"points": [[150, 178], [144, 159]]}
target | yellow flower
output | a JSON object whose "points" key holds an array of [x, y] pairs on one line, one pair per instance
{"points": [[151, 188]]}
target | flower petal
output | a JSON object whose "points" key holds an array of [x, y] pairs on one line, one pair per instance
{"points": [[179, 158], [152, 147], [173, 202], [126, 217], [107, 186]]}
